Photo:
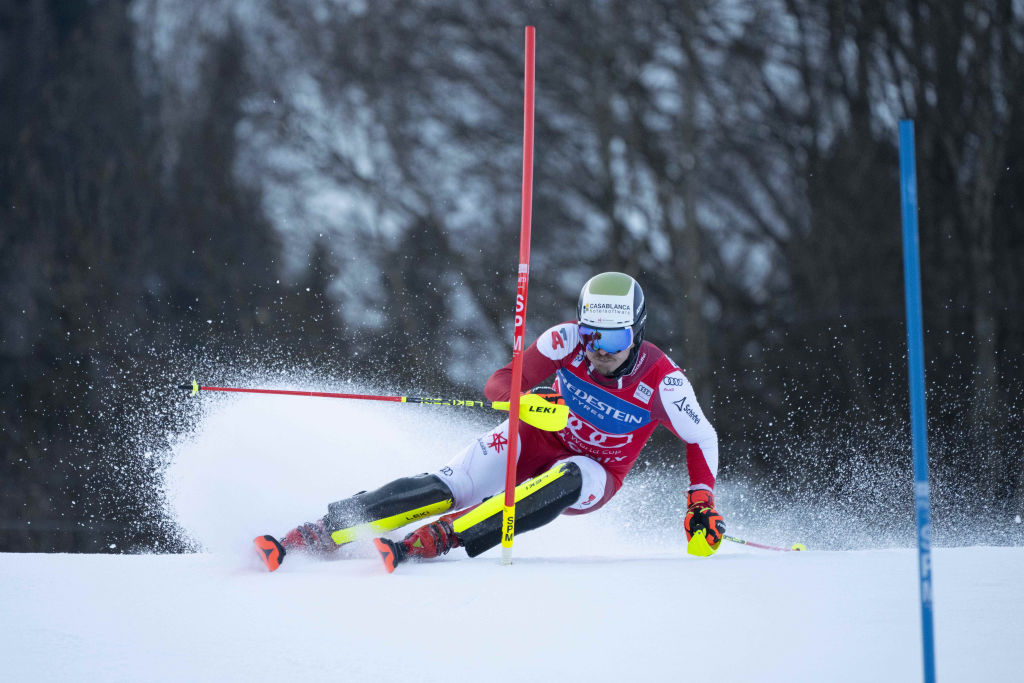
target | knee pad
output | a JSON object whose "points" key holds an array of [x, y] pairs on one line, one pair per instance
{"points": [[595, 489], [538, 501], [393, 505]]}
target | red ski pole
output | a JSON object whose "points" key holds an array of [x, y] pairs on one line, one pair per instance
{"points": [[533, 409], [795, 546], [522, 286]]}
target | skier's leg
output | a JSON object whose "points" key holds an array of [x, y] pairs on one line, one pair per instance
{"points": [[478, 470], [598, 486], [475, 473], [391, 506], [570, 483], [472, 475]]}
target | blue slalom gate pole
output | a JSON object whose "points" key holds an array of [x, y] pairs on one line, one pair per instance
{"points": [[918, 413]]}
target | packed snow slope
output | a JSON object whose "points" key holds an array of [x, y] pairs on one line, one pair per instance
{"points": [[594, 598]]}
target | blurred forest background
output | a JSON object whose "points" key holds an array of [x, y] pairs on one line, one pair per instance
{"points": [[204, 188]]}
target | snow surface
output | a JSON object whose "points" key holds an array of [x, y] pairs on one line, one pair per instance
{"points": [[589, 598]]}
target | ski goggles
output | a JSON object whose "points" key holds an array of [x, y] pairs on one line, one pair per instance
{"points": [[609, 341]]}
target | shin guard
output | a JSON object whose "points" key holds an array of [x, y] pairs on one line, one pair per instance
{"points": [[538, 501], [391, 506]]}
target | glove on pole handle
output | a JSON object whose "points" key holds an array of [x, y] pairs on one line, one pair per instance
{"points": [[533, 409]]}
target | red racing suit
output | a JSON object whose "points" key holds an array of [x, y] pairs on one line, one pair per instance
{"points": [[610, 420]]}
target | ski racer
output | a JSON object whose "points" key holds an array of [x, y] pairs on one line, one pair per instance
{"points": [[618, 389]]}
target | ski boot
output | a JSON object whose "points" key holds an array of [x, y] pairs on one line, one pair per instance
{"points": [[393, 505], [312, 537], [431, 540]]}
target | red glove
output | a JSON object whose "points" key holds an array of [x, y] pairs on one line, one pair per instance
{"points": [[702, 520]]}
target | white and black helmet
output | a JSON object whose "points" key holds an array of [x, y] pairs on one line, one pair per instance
{"points": [[612, 314]]}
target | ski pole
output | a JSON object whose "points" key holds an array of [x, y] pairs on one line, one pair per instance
{"points": [[795, 546], [533, 409]]}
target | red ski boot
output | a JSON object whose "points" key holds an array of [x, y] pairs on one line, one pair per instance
{"points": [[312, 537], [431, 540]]}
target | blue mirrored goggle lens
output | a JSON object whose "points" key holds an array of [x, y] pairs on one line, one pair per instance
{"points": [[609, 341]]}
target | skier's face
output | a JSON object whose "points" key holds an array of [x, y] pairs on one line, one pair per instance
{"points": [[606, 363]]}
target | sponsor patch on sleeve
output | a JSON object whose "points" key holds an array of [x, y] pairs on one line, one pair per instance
{"points": [[557, 342]]}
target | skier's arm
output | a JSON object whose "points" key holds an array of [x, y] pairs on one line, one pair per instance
{"points": [[540, 361], [677, 408], [677, 405]]}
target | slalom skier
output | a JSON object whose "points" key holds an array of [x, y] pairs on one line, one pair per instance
{"points": [[618, 388]]}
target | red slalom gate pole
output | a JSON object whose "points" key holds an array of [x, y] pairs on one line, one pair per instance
{"points": [[522, 285]]}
